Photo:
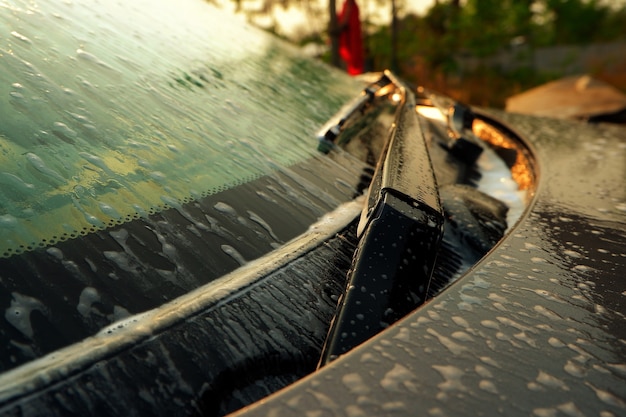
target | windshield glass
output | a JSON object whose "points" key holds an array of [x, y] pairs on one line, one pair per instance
{"points": [[109, 113], [141, 158]]}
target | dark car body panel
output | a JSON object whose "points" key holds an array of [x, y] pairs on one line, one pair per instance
{"points": [[536, 328]]}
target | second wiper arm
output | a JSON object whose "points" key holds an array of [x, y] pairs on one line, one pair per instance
{"points": [[400, 231], [354, 108]]}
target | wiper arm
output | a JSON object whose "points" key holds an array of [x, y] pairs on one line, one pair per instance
{"points": [[461, 141], [400, 230], [328, 134]]}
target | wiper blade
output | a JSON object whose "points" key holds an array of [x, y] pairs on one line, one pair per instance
{"points": [[400, 231]]}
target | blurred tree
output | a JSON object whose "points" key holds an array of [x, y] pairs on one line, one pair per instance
{"points": [[472, 27], [429, 46], [333, 33], [488, 25], [394, 35], [255, 8], [577, 21]]}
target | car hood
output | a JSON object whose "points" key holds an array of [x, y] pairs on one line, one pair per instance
{"points": [[535, 328]]}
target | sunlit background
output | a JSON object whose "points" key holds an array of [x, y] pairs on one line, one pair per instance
{"points": [[477, 51]]}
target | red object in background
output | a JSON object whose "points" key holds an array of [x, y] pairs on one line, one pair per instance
{"points": [[350, 40]]}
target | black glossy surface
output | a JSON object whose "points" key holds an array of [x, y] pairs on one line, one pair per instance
{"points": [[206, 354], [390, 274], [400, 231]]}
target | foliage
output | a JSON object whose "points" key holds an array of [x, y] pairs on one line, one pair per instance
{"points": [[430, 49], [433, 45]]}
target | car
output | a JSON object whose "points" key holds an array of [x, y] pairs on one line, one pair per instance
{"points": [[197, 219]]}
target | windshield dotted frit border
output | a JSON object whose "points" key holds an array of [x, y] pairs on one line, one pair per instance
{"points": [[111, 222]]}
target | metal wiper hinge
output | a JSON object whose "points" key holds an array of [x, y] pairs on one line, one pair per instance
{"points": [[461, 141], [400, 231]]}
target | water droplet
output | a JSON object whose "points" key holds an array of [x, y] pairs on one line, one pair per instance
{"points": [[89, 57], [547, 312], [436, 412], [452, 378], [460, 321], [21, 38], [16, 183], [87, 298], [531, 246], [550, 381], [394, 406], [55, 252], [40, 166], [158, 176], [355, 384], [608, 397], [403, 334], [489, 361], [18, 314], [64, 132], [483, 371], [488, 386], [93, 220], [434, 315], [490, 324], [462, 336], [233, 253], [8, 222], [140, 211], [258, 220], [225, 209], [452, 346], [399, 379], [94, 160], [554, 342], [574, 369], [121, 259], [109, 211]]}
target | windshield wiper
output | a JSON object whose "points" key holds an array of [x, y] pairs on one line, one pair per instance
{"points": [[400, 231], [354, 109]]}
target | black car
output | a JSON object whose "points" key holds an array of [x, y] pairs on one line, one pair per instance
{"points": [[195, 216]]}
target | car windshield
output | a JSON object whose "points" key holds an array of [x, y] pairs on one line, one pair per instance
{"points": [[132, 146]]}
